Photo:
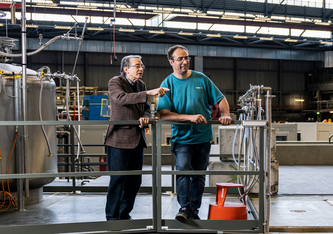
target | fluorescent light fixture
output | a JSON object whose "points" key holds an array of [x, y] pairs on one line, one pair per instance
{"points": [[185, 34], [32, 26], [162, 11], [230, 16], [213, 35], [197, 13], [156, 32], [127, 9], [95, 29], [46, 4], [240, 37], [299, 100], [290, 40], [260, 19], [326, 42], [322, 23], [293, 21], [126, 30], [266, 38], [87, 6], [62, 27]]}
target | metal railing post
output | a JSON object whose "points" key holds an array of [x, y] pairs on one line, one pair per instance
{"points": [[329, 139], [73, 157], [154, 175], [262, 190], [158, 178]]}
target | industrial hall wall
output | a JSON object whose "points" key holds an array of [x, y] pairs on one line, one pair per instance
{"points": [[232, 75]]}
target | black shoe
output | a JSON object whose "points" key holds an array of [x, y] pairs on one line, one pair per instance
{"points": [[194, 215], [183, 215], [126, 218]]}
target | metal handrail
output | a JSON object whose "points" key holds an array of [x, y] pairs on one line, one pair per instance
{"points": [[157, 223], [329, 139]]}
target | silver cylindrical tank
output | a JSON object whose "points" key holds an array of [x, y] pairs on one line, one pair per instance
{"points": [[36, 159]]}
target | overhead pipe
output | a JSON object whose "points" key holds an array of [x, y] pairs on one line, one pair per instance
{"points": [[65, 36]]}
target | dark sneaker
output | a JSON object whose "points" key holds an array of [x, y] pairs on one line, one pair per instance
{"points": [[183, 215], [195, 215]]}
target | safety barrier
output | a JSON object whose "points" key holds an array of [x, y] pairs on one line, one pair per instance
{"points": [[156, 224]]}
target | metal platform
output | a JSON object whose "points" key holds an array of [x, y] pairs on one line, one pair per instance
{"points": [[304, 203]]}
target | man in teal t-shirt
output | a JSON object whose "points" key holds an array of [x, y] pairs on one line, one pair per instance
{"points": [[189, 99]]}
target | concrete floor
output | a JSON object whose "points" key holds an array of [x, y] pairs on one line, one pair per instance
{"points": [[304, 203]]}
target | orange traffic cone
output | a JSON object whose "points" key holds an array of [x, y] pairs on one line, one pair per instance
{"points": [[222, 210]]}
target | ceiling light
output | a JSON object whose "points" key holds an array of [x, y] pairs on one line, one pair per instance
{"points": [[185, 34], [197, 13], [299, 100], [266, 38], [230, 16], [62, 27], [162, 11], [32, 26], [293, 21], [126, 30], [290, 40], [240, 37], [260, 19], [213, 35], [331, 112], [326, 42], [322, 23], [156, 32], [87, 6], [46, 4], [127, 9], [95, 29]]}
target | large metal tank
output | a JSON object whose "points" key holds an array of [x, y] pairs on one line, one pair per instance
{"points": [[37, 159]]}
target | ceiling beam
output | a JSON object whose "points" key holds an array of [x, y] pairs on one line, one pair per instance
{"points": [[84, 12], [272, 12], [311, 26]]}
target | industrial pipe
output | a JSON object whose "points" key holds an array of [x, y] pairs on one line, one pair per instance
{"points": [[12, 12], [42, 47]]}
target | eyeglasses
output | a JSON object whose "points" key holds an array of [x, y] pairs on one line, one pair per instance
{"points": [[138, 66], [180, 59]]}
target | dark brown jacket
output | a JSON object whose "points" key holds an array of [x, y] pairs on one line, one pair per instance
{"points": [[126, 105]]}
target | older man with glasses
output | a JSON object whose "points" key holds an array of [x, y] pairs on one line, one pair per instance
{"points": [[190, 98], [125, 143]]}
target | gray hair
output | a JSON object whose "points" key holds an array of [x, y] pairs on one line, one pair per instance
{"points": [[125, 62]]}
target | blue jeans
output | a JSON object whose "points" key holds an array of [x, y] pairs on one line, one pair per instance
{"points": [[123, 188], [190, 188]]}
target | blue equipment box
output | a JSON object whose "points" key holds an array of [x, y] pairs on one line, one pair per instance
{"points": [[93, 105]]}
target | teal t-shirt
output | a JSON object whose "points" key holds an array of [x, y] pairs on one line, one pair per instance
{"points": [[191, 96]]}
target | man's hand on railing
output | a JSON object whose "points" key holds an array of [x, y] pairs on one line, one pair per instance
{"points": [[225, 120]]}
